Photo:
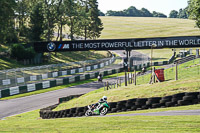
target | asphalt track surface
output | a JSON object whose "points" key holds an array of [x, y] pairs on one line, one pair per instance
{"points": [[29, 103]]}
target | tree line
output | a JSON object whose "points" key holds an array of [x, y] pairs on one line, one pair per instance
{"points": [[36, 20], [182, 13], [134, 12]]}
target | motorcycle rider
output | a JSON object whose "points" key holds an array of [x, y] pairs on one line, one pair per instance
{"points": [[100, 78], [102, 100]]}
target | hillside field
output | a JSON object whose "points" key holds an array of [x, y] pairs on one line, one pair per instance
{"points": [[139, 27]]}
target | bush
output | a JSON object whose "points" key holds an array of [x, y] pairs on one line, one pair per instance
{"points": [[30, 53], [19, 52]]}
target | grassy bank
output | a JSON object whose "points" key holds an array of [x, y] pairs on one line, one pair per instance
{"points": [[62, 57], [188, 73]]}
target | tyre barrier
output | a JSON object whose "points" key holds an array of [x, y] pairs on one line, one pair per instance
{"points": [[180, 99], [65, 99]]}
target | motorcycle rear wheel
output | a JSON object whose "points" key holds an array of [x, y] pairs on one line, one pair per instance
{"points": [[104, 111], [88, 113]]}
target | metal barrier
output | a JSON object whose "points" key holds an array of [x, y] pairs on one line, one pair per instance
{"points": [[23, 76]]}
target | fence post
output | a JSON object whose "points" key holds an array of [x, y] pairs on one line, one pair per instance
{"points": [[120, 82], [154, 79], [135, 77], [24, 76], [125, 78], [131, 78], [128, 78], [15, 78], [176, 70], [107, 85]]}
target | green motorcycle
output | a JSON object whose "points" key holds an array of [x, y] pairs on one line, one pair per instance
{"points": [[101, 109]]}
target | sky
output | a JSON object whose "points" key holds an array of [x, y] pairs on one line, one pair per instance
{"points": [[163, 6]]}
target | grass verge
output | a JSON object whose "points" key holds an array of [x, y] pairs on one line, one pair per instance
{"points": [[30, 122]]}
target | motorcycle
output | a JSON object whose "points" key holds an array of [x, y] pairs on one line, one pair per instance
{"points": [[101, 109]]}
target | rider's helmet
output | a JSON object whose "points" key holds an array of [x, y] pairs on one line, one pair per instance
{"points": [[104, 98]]}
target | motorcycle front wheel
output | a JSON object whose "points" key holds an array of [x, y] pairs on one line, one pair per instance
{"points": [[104, 111]]}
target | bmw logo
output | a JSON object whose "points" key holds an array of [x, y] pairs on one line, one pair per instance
{"points": [[51, 46]]}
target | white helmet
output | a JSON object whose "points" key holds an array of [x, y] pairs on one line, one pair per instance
{"points": [[104, 98]]}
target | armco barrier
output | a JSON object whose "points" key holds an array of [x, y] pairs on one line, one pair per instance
{"points": [[140, 66], [16, 79], [180, 99], [48, 84]]}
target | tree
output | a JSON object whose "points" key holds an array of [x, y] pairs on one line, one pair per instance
{"points": [[110, 13], [132, 11], [145, 13], [96, 26], [84, 22], [72, 16], [22, 12], [158, 14], [173, 14], [36, 24], [7, 21], [183, 13], [60, 17], [101, 13], [193, 10], [49, 17]]}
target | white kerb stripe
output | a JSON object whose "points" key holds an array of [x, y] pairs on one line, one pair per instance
{"points": [[72, 79], [102, 65], [64, 73], [33, 78], [73, 71], [110, 72], [44, 76], [80, 70], [55, 74], [160, 63], [14, 90], [82, 77], [95, 66], [31, 87], [20, 80], [6, 82], [46, 84], [92, 75], [88, 68], [59, 81]]}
